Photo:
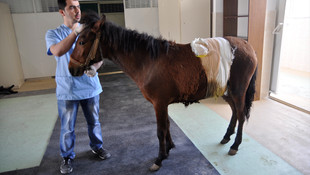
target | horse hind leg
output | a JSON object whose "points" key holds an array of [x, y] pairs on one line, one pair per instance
{"points": [[234, 148], [231, 127], [239, 107], [240, 103]]}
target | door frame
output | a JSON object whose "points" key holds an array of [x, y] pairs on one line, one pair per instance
{"points": [[256, 31], [280, 8]]}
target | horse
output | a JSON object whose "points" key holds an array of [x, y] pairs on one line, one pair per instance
{"points": [[167, 72]]}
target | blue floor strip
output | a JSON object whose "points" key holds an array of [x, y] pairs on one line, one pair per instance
{"points": [[206, 128], [26, 124]]}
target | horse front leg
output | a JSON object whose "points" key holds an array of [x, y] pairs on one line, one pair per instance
{"points": [[162, 131], [169, 142]]}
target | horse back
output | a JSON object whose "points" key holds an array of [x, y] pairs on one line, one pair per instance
{"points": [[179, 76], [176, 77]]}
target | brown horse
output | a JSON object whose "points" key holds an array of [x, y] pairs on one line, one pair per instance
{"points": [[167, 73]]}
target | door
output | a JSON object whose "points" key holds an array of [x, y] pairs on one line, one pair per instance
{"points": [[290, 81], [278, 31], [113, 10]]}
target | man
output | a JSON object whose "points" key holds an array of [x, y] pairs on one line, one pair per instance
{"points": [[72, 91]]}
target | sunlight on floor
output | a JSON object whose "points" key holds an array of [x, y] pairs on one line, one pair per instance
{"points": [[294, 89], [38, 84]]}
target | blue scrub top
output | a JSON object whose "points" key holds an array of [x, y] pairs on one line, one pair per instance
{"points": [[69, 87]]}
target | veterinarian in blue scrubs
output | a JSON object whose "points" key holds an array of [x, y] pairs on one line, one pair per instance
{"points": [[72, 91]]}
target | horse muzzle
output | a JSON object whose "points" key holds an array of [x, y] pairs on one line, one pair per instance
{"points": [[76, 71]]}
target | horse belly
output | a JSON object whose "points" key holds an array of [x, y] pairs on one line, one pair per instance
{"points": [[190, 81]]}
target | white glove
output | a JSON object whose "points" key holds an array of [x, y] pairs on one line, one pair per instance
{"points": [[91, 72], [78, 29], [93, 69]]}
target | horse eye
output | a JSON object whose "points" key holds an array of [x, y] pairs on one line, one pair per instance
{"points": [[81, 43]]}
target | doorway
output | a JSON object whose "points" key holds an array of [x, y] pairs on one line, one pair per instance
{"points": [[113, 10], [290, 82]]}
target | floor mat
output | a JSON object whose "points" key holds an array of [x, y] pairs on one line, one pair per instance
{"points": [[129, 134], [205, 129], [26, 124]]}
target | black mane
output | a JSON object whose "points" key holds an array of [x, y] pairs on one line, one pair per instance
{"points": [[127, 40], [89, 19]]}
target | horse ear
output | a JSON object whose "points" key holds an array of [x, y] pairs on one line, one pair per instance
{"points": [[99, 24], [96, 27], [103, 18]]}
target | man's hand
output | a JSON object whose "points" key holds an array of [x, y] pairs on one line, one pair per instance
{"points": [[78, 29], [91, 72], [93, 69]]}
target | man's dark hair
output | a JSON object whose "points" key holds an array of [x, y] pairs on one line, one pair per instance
{"points": [[62, 4]]}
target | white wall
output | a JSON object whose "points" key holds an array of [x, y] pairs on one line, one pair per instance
{"points": [[10, 65], [170, 20], [142, 20], [184, 20], [30, 30], [195, 19]]}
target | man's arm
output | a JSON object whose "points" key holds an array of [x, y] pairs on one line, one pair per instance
{"points": [[63, 46]]}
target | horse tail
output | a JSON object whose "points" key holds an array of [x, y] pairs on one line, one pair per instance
{"points": [[250, 95]]}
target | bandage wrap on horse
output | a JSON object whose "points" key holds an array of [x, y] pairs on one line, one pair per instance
{"points": [[216, 57]]}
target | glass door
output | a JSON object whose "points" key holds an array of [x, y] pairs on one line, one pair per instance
{"points": [[290, 81]]}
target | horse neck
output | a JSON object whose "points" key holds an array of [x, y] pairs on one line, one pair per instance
{"points": [[133, 64]]}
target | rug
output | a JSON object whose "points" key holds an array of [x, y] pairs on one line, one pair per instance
{"points": [[129, 134]]}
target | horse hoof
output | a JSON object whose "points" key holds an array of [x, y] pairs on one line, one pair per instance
{"points": [[154, 167], [224, 141], [232, 152]]}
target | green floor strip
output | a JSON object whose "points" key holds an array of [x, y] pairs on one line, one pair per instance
{"points": [[26, 124], [205, 129]]}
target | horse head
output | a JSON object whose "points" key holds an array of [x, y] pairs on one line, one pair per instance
{"points": [[87, 49]]}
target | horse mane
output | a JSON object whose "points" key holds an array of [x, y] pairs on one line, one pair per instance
{"points": [[89, 19], [120, 38]]}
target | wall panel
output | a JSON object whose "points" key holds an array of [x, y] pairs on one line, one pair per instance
{"points": [[10, 64], [30, 32]]}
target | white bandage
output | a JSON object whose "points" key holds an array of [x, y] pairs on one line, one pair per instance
{"points": [[93, 69], [91, 72], [78, 29], [199, 47]]}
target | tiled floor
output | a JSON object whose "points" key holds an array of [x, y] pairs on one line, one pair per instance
{"points": [[283, 130], [293, 89]]}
